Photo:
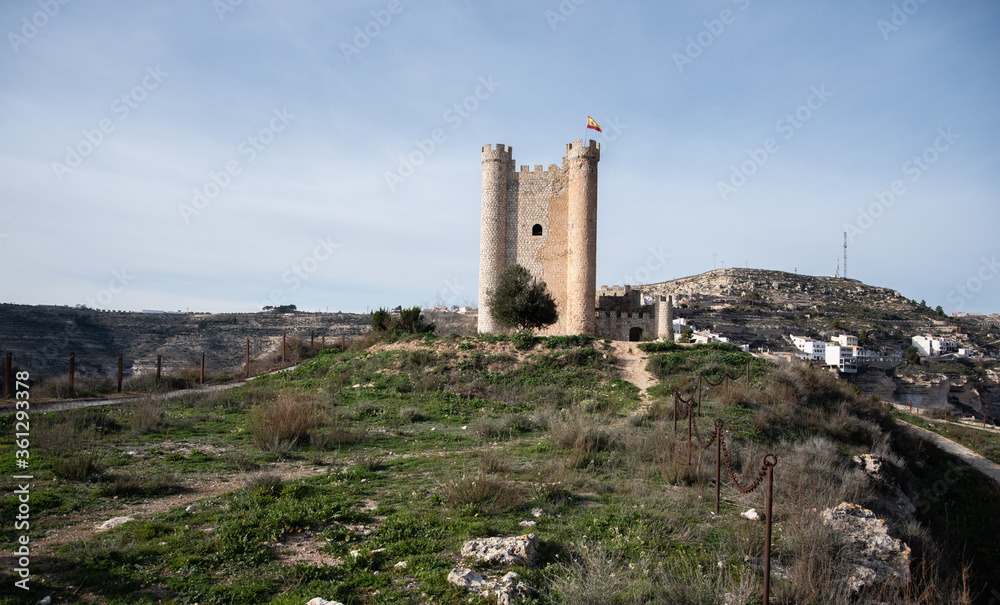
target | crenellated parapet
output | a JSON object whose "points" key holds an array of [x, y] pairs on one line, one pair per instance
{"points": [[501, 152]]}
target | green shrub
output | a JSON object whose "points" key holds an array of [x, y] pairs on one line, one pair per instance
{"points": [[659, 347], [76, 468], [567, 342], [523, 340], [140, 485]]}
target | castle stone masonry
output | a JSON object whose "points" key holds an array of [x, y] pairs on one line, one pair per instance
{"points": [[545, 219]]}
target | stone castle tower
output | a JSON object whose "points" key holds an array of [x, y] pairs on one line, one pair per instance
{"points": [[546, 221]]}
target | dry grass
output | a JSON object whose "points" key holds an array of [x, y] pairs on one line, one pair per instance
{"points": [[141, 485], [280, 425], [53, 436], [84, 385], [484, 493], [147, 416], [76, 468]]}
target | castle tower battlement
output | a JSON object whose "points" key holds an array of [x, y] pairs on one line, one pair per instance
{"points": [[546, 221]]}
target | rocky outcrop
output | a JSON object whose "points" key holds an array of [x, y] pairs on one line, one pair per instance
{"points": [[508, 589], [896, 500], [112, 523], [877, 557], [518, 550], [42, 337], [497, 552]]}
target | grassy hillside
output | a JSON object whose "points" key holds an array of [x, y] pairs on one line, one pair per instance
{"points": [[319, 481]]}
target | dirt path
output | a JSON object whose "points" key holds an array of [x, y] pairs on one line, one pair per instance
{"points": [[62, 405], [631, 363], [974, 459]]}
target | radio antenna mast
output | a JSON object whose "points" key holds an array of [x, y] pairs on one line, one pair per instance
{"points": [[845, 255]]}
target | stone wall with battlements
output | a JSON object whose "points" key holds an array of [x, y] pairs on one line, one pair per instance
{"points": [[544, 219]]}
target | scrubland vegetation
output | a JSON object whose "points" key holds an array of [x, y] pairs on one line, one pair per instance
{"points": [[401, 451]]}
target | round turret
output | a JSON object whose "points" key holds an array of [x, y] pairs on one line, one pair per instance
{"points": [[493, 236]]}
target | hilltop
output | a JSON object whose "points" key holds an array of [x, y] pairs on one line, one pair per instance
{"points": [[762, 307], [359, 476]]}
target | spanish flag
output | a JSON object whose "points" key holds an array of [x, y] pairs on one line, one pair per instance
{"points": [[592, 124]]}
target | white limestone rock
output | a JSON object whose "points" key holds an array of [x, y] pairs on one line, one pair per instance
{"points": [[517, 550], [878, 558]]}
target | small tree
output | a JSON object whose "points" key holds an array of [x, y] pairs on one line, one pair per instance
{"points": [[382, 320], [912, 355], [687, 335], [411, 321], [521, 302]]}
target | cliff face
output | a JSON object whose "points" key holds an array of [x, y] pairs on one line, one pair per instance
{"points": [[974, 386], [41, 338]]}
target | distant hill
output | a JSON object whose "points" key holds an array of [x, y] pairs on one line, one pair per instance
{"points": [[760, 308], [42, 337]]}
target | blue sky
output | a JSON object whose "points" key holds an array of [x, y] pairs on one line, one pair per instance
{"points": [[222, 155]]}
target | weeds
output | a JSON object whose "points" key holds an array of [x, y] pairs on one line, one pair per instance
{"points": [[76, 468], [485, 493], [147, 416], [279, 426], [241, 460], [141, 485]]}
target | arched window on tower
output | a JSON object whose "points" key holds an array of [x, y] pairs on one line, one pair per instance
{"points": [[536, 230]]}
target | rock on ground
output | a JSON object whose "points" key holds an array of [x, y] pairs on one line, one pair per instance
{"points": [[872, 466], [878, 558], [113, 523], [518, 550], [322, 601], [508, 590], [466, 578]]}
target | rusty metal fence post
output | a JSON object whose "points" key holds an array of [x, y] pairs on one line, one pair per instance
{"points": [[699, 394], [119, 373], [322, 342], [312, 340], [769, 464], [159, 365], [675, 412], [72, 373], [282, 347], [766, 472], [690, 420], [202, 380], [343, 342], [718, 461], [248, 359]]}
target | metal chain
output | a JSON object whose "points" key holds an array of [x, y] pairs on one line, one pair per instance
{"points": [[703, 445], [760, 476], [715, 384], [726, 376], [688, 404]]}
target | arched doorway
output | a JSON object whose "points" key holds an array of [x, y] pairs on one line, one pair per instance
{"points": [[635, 334]]}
